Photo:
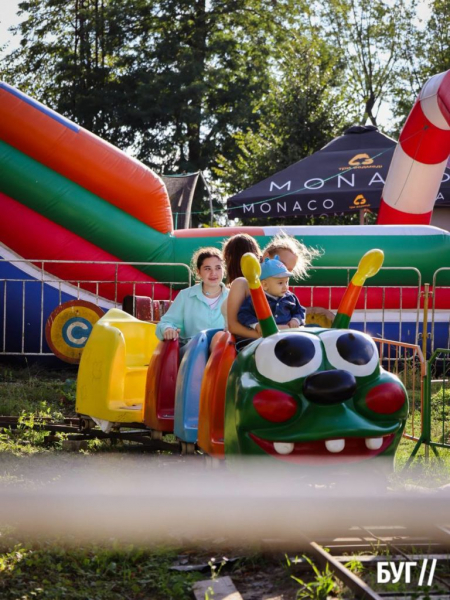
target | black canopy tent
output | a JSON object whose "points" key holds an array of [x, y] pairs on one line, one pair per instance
{"points": [[345, 175]]}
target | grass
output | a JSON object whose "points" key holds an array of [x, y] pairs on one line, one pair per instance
{"points": [[57, 569], [320, 585], [50, 570], [30, 394], [426, 471], [30, 390]]}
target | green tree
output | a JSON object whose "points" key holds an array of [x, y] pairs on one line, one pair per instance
{"points": [[357, 63], [172, 79], [68, 59], [303, 111], [426, 53], [371, 36], [436, 40]]}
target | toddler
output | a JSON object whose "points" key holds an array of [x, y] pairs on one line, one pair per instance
{"points": [[285, 307]]}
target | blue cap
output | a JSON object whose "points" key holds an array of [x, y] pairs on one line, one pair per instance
{"points": [[273, 267]]}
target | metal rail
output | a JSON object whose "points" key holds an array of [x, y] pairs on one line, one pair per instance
{"points": [[408, 363], [435, 407], [79, 429], [408, 311], [348, 578], [393, 550]]}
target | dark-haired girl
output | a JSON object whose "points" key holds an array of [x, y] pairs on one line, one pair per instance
{"points": [[198, 307]]}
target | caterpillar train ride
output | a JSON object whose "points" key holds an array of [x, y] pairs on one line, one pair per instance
{"points": [[306, 396]]}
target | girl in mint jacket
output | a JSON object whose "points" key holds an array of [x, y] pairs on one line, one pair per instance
{"points": [[198, 307]]}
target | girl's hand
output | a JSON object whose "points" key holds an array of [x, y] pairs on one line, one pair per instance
{"points": [[171, 334]]}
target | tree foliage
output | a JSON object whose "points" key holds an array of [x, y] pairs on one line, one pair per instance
{"points": [[426, 52], [172, 79], [436, 39], [371, 36], [302, 112], [67, 60]]}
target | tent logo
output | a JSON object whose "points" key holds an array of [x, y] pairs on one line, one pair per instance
{"points": [[360, 160], [360, 202]]}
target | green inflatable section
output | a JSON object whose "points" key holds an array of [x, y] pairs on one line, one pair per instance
{"points": [[410, 258]]}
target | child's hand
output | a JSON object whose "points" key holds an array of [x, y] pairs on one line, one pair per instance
{"points": [[171, 334], [293, 323], [258, 329]]}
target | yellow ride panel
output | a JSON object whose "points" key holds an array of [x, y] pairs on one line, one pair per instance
{"points": [[113, 368]]}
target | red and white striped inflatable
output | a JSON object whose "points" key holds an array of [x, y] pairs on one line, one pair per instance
{"points": [[420, 158]]}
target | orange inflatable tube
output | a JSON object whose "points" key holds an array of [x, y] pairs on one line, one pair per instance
{"points": [[84, 158]]}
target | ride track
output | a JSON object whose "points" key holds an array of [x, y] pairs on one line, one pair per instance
{"points": [[387, 545]]}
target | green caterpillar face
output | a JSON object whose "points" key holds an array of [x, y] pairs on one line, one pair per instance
{"points": [[313, 396]]}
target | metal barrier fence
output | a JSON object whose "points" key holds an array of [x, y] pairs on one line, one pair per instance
{"points": [[436, 405], [388, 312], [416, 314], [440, 294], [29, 295], [408, 363]]}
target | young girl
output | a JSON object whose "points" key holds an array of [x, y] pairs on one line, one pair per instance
{"points": [[297, 258], [233, 250], [198, 307]]}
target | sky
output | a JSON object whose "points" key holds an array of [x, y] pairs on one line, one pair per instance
{"points": [[8, 17]]}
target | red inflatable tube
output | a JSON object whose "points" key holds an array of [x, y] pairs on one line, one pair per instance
{"points": [[392, 216], [423, 141], [35, 237]]}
